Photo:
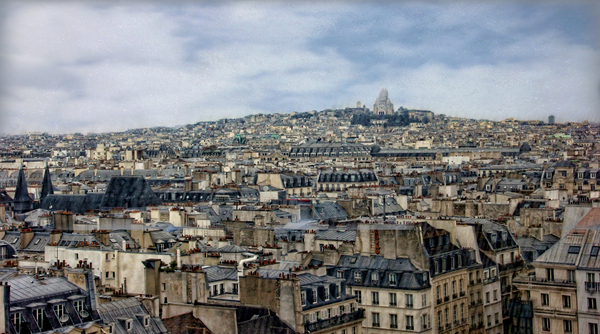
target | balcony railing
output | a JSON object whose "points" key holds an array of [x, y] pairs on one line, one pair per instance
{"points": [[592, 286], [543, 281], [454, 296], [335, 321], [446, 298], [395, 326], [410, 328], [409, 305], [462, 293], [439, 301], [376, 324]]}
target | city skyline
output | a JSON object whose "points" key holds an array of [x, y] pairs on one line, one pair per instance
{"points": [[98, 67]]}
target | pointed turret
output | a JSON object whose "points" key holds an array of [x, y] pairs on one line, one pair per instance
{"points": [[22, 201], [47, 188]]}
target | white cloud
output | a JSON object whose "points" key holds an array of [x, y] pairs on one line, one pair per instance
{"points": [[74, 67]]}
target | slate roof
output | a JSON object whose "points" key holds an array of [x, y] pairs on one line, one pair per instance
{"points": [[562, 251], [336, 234], [24, 288], [130, 309], [216, 273], [232, 249], [73, 203], [366, 268], [128, 192], [329, 211]]}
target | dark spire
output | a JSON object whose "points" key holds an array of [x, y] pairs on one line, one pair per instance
{"points": [[46, 185], [22, 201]]}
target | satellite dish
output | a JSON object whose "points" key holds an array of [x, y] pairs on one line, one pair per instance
{"points": [[64, 318], [84, 313]]}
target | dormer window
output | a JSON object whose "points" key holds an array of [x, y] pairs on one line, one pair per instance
{"points": [[374, 277], [326, 293], [146, 321], [15, 320], [340, 274], [393, 278], [38, 315], [303, 296], [592, 175], [357, 277], [314, 299], [128, 325], [59, 310]]}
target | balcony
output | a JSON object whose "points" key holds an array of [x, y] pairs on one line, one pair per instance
{"points": [[456, 322], [393, 304], [410, 328], [454, 296], [543, 281], [409, 305], [462, 294], [335, 321], [394, 326], [472, 282], [439, 301], [592, 286], [446, 298], [448, 326], [376, 324]]}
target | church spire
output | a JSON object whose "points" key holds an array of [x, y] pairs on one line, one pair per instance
{"points": [[22, 201], [47, 188]]}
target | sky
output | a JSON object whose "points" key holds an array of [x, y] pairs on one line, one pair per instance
{"points": [[78, 66]]}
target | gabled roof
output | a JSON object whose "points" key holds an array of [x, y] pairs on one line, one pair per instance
{"points": [[216, 273]]}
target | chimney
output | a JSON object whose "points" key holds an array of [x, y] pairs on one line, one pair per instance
{"points": [[26, 236], [179, 256], [188, 184], [103, 236], [75, 188], [55, 236]]}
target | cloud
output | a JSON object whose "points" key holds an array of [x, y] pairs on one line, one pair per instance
{"points": [[79, 67]]}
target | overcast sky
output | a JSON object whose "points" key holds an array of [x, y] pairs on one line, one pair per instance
{"points": [[97, 67]]}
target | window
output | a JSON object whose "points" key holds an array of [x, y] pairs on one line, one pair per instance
{"points": [[563, 173], [78, 304], [128, 325], [550, 274], [59, 310], [496, 295], [76, 256], [595, 250], [357, 277], [545, 299], [592, 304], [15, 319], [375, 298], [546, 324], [410, 324], [574, 249], [454, 313], [487, 297], [453, 287], [375, 317], [38, 315], [568, 326], [409, 301], [460, 285], [374, 277], [313, 317], [425, 321], [446, 316], [164, 286], [566, 301], [235, 289], [392, 278], [342, 309], [358, 295], [326, 293], [591, 277], [462, 311], [303, 296], [445, 289], [593, 328], [424, 300], [393, 321], [571, 276], [340, 274], [497, 317], [393, 301], [146, 321]]}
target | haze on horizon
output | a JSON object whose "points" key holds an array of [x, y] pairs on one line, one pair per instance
{"points": [[101, 67]]}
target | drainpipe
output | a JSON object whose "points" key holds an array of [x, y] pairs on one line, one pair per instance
{"points": [[252, 257]]}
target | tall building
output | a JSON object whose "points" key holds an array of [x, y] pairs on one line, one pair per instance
{"points": [[551, 119], [383, 105]]}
